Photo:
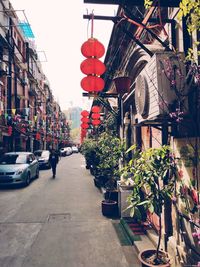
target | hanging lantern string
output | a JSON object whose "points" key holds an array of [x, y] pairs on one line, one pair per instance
{"points": [[92, 24]]}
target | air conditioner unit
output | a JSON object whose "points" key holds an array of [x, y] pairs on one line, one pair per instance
{"points": [[154, 90], [3, 67]]}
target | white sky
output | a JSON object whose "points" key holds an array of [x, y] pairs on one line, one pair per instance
{"points": [[60, 30]]}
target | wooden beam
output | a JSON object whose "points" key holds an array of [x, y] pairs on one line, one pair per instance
{"points": [[136, 36], [107, 2], [144, 22], [117, 18], [99, 17], [163, 3], [101, 94]]}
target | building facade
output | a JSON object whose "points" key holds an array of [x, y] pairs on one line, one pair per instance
{"points": [[161, 105], [30, 118]]}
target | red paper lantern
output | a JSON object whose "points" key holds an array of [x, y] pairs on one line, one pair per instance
{"points": [[92, 66], [92, 48], [83, 134], [95, 116], [85, 113], [96, 122], [92, 84], [83, 130], [85, 119], [84, 125], [9, 130], [95, 109], [37, 137]]}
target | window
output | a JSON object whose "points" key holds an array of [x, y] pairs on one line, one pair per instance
{"points": [[13, 159], [19, 44]]}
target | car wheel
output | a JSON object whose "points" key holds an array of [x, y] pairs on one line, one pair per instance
{"points": [[37, 173], [28, 179]]}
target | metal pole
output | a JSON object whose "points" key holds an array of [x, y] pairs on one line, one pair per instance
{"points": [[9, 78], [168, 203]]}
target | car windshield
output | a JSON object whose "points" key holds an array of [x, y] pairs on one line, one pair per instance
{"points": [[13, 159], [38, 153]]}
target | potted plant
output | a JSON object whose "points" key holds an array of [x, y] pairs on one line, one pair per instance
{"points": [[110, 150], [88, 149], [122, 82], [109, 205], [154, 175]]}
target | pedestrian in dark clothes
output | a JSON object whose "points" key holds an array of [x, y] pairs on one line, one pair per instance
{"points": [[53, 158]]}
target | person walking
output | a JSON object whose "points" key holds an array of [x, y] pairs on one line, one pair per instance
{"points": [[53, 158]]}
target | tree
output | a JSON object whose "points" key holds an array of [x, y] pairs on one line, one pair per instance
{"points": [[153, 173], [191, 10]]}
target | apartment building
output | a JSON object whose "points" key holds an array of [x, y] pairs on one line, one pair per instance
{"points": [[30, 118]]}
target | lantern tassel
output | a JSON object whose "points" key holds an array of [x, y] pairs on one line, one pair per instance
{"points": [[92, 24]]}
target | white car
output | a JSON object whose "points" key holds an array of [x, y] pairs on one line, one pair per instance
{"points": [[43, 158], [18, 168], [74, 149], [63, 152], [68, 150]]}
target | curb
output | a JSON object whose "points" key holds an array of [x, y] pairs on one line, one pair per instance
{"points": [[127, 229], [140, 242]]}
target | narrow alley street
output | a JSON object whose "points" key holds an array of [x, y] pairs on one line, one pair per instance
{"points": [[58, 223]]}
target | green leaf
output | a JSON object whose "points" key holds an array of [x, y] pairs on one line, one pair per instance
{"points": [[151, 208], [138, 214], [133, 147], [132, 212], [143, 203], [129, 207]]}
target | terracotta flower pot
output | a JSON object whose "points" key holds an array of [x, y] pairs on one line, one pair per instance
{"points": [[146, 258], [122, 84]]}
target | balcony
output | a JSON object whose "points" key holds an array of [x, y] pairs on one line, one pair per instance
{"points": [[32, 92]]}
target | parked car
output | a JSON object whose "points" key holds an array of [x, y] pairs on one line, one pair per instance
{"points": [[74, 149], [18, 168], [63, 152], [68, 150], [43, 158]]}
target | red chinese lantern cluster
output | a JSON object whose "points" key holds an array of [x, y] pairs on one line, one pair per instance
{"points": [[92, 49], [85, 124], [95, 115]]}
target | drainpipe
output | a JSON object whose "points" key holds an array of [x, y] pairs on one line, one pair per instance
{"points": [[15, 102], [168, 203], [138, 135], [9, 78]]}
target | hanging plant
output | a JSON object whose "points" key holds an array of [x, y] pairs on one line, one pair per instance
{"points": [[122, 82]]}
